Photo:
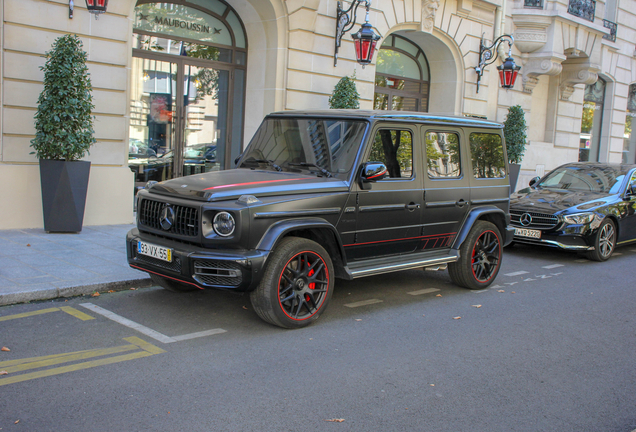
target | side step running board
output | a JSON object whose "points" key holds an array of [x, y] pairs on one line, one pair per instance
{"points": [[398, 263]]}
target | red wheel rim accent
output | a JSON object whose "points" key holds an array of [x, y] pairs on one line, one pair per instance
{"points": [[303, 285], [486, 256]]}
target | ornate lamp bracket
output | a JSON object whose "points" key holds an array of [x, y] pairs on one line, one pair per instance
{"points": [[344, 23], [489, 53]]}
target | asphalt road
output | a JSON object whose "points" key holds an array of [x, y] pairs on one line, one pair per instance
{"points": [[550, 347]]}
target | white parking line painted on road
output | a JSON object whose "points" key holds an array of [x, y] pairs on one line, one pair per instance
{"points": [[146, 330], [552, 266], [424, 291], [519, 273], [363, 303]]}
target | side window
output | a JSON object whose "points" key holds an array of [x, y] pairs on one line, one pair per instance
{"points": [[394, 148], [442, 155], [488, 155]]}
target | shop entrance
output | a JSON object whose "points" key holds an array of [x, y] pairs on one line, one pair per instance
{"points": [[187, 95]]}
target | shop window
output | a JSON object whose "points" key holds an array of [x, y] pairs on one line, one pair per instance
{"points": [[394, 148], [629, 142], [402, 76], [487, 155], [442, 155], [590, 138]]}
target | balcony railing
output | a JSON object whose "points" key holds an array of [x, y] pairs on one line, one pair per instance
{"points": [[612, 27], [583, 8], [533, 4]]}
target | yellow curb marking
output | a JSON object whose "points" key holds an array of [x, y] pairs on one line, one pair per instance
{"points": [[69, 310], [13, 366]]}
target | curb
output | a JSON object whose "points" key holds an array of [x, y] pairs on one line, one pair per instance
{"points": [[50, 293]]}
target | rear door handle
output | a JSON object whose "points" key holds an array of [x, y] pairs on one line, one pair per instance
{"points": [[461, 203], [412, 206]]}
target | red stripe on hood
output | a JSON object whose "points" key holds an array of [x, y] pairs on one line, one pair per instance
{"points": [[251, 183]]}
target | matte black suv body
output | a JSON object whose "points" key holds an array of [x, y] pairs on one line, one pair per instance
{"points": [[320, 195]]}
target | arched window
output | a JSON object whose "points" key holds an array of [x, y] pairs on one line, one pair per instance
{"points": [[402, 76]]}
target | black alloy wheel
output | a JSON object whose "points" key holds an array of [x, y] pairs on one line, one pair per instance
{"points": [[171, 285], [296, 286], [480, 257], [604, 242]]}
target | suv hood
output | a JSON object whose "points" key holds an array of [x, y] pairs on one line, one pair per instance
{"points": [[231, 184], [555, 200]]}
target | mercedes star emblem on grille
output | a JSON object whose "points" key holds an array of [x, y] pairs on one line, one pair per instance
{"points": [[525, 219], [166, 220]]}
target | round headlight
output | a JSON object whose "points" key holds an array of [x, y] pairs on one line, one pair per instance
{"points": [[224, 224]]}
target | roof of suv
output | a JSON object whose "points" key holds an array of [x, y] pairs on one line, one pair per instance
{"points": [[402, 116]]}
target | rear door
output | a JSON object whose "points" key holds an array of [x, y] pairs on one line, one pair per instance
{"points": [[446, 186]]}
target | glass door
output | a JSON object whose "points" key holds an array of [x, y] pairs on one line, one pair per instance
{"points": [[153, 135]]}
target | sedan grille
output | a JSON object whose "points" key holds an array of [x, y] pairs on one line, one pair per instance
{"points": [[215, 273], [185, 220], [541, 221]]}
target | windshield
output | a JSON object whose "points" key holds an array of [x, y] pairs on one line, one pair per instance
{"points": [[325, 147], [586, 178]]}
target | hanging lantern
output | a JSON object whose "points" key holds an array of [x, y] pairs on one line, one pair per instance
{"points": [[508, 73], [96, 7], [364, 41]]}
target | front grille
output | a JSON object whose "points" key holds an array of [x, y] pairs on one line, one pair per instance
{"points": [[541, 221], [186, 219], [174, 266], [224, 273]]}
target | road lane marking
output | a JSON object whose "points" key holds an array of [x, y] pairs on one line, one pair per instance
{"points": [[519, 273], [77, 314], [146, 330], [363, 303], [29, 314], [549, 267], [424, 291], [13, 366]]}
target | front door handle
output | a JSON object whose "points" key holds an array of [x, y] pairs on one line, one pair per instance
{"points": [[461, 203], [412, 206]]}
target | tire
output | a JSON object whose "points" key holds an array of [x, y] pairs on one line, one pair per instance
{"points": [[479, 257], [291, 298], [604, 242], [171, 285]]}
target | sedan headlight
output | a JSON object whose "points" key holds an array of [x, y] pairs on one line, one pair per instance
{"points": [[579, 219], [224, 224]]}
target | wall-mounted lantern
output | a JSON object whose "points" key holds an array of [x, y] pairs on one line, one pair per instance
{"points": [[508, 71], [96, 7], [365, 39]]}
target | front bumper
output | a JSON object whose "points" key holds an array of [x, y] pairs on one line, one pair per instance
{"points": [[236, 270]]}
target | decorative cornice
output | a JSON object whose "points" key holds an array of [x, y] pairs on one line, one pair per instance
{"points": [[538, 64], [583, 72]]}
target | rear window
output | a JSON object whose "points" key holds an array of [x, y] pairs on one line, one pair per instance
{"points": [[487, 154]]}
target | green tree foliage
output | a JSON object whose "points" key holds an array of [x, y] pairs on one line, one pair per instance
{"points": [[63, 121], [393, 148], [515, 134], [487, 153], [345, 95]]}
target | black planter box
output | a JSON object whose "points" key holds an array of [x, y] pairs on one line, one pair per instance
{"points": [[64, 186]]}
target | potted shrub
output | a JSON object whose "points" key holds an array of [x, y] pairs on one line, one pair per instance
{"points": [[64, 134], [516, 139], [345, 95]]}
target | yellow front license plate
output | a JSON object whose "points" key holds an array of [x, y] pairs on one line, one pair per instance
{"points": [[154, 251]]}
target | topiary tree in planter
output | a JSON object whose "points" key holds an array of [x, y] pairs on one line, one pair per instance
{"points": [[516, 140], [345, 95], [64, 134]]}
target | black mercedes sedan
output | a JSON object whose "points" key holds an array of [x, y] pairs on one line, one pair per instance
{"points": [[588, 207]]}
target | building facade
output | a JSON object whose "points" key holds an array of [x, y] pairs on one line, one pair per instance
{"points": [[180, 87]]}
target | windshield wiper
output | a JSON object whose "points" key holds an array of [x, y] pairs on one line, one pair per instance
{"points": [[307, 164], [267, 161]]}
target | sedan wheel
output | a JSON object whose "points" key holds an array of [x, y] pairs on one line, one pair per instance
{"points": [[604, 243]]}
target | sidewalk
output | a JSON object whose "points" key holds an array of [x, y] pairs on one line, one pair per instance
{"points": [[35, 265]]}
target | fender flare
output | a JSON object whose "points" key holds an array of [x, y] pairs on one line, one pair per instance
{"points": [[474, 215], [279, 229]]}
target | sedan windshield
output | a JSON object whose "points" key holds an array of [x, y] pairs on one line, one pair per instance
{"points": [[586, 178], [325, 147]]}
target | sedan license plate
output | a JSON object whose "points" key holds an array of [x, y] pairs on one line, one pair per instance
{"points": [[523, 232], [151, 250]]}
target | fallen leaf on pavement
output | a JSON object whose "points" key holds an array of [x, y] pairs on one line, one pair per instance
{"points": [[28, 244], [432, 385], [500, 291], [5, 349], [133, 289], [17, 421], [512, 292], [457, 317], [95, 294], [358, 319], [245, 307], [477, 306], [438, 295], [111, 291], [4, 373], [335, 420]]}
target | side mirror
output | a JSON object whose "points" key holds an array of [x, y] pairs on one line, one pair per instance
{"points": [[534, 181], [373, 171]]}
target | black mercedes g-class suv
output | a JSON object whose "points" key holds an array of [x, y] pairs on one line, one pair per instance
{"points": [[320, 195]]}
